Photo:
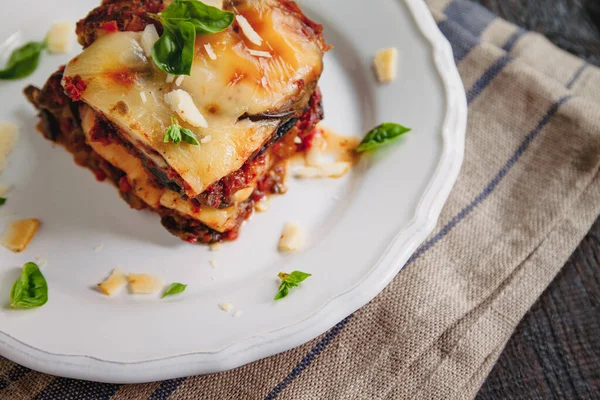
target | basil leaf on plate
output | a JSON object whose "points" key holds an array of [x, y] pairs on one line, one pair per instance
{"points": [[381, 135], [289, 281], [182, 21], [2, 201], [30, 290], [177, 133], [173, 289], [23, 61]]}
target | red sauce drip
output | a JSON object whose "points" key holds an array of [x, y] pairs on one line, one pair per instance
{"points": [[192, 240], [74, 87]]}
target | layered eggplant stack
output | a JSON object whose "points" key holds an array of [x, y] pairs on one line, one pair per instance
{"points": [[251, 101]]}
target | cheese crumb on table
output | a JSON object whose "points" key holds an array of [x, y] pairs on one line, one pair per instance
{"points": [[59, 37], [115, 282], [18, 234], [386, 65], [292, 238], [145, 284]]}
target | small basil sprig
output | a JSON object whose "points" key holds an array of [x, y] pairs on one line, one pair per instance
{"points": [[23, 61], [382, 135], [30, 290], [2, 201], [173, 289], [176, 133], [182, 21], [289, 281]]}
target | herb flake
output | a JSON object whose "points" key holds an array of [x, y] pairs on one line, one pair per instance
{"points": [[381, 136], [23, 61], [289, 281], [30, 290], [174, 288], [177, 133]]}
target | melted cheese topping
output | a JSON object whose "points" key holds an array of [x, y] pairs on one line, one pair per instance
{"points": [[235, 84], [220, 220]]}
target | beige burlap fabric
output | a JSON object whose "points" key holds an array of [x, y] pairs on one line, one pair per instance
{"points": [[528, 192]]}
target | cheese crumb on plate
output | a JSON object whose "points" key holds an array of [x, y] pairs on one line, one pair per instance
{"points": [[386, 65], [114, 283], [292, 238], [18, 234], [145, 284]]}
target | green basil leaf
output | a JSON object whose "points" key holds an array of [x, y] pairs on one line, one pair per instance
{"points": [[283, 291], [182, 21], [289, 281], [189, 137], [2, 201], [173, 289], [297, 277], [30, 290], [176, 133], [23, 61], [174, 51], [206, 19], [382, 135]]}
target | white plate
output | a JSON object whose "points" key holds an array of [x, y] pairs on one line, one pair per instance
{"points": [[362, 228]]}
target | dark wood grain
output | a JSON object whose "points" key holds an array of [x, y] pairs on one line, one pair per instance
{"points": [[555, 351]]}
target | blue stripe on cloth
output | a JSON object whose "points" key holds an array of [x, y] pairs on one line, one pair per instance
{"points": [[513, 39], [73, 389], [577, 75], [462, 42], [307, 360], [464, 25], [487, 191], [487, 77], [166, 389], [471, 16]]}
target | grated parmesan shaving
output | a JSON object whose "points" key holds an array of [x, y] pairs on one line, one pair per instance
{"points": [[179, 80], [182, 104], [206, 139], [149, 37], [170, 78], [226, 307], [258, 53], [144, 98], [248, 30], [210, 51]]}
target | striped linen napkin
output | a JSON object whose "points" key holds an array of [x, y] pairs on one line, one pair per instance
{"points": [[528, 192]]}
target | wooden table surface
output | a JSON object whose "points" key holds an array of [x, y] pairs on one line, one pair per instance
{"points": [[555, 351]]}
